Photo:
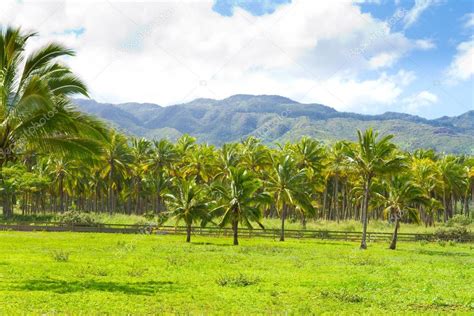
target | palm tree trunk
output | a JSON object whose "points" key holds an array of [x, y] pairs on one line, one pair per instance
{"points": [[283, 217], [393, 244], [235, 229], [336, 198], [445, 204], [363, 244], [188, 233], [61, 193]]}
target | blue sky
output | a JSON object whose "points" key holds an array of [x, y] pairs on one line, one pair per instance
{"points": [[366, 56], [443, 22]]}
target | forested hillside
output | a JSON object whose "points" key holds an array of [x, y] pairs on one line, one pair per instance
{"points": [[278, 119]]}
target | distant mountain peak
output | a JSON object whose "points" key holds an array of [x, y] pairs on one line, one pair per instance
{"points": [[264, 98], [275, 118]]}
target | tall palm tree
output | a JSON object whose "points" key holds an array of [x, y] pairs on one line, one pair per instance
{"points": [[372, 157], [61, 168], [35, 111], [116, 159], [240, 200], [140, 152], [454, 181], [289, 187], [187, 203], [400, 200]]}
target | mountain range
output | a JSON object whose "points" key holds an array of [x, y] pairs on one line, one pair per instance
{"points": [[276, 119]]}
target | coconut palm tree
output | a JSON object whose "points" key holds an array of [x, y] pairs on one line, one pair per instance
{"points": [[372, 157], [116, 158], [187, 202], [239, 200], [35, 111], [400, 200], [140, 152], [289, 187], [454, 181]]}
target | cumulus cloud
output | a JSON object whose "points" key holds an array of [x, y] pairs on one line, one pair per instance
{"points": [[171, 52], [462, 66], [469, 20], [418, 101]]}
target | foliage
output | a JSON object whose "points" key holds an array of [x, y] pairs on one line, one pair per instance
{"points": [[459, 220], [77, 218], [457, 233]]}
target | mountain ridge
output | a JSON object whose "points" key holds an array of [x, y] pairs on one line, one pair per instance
{"points": [[275, 118]]}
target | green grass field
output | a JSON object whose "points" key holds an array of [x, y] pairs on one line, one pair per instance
{"points": [[141, 274]]}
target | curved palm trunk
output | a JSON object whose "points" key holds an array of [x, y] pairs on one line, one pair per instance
{"points": [[283, 217], [393, 244], [363, 243], [235, 229], [188, 233]]}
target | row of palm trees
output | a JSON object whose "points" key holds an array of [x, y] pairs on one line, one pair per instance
{"points": [[54, 158], [240, 183]]}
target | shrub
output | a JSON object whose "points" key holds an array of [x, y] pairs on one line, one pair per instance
{"points": [[458, 233], [77, 218], [459, 220]]}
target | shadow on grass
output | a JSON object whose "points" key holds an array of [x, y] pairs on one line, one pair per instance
{"points": [[441, 253], [63, 287], [202, 243]]}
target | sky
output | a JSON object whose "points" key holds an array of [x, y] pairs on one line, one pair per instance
{"points": [[365, 56]]}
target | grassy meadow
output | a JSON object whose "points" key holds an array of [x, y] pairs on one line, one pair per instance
{"points": [[86, 273]]}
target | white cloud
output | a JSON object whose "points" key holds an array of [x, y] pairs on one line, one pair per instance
{"points": [[462, 66], [415, 12], [425, 44], [469, 20], [382, 60], [415, 102], [169, 52]]}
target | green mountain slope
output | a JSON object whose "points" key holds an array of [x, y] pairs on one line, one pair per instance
{"points": [[279, 119]]}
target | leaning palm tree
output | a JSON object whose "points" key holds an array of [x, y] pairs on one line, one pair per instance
{"points": [[187, 203], [400, 200], [35, 111], [240, 200], [372, 157], [289, 187]]}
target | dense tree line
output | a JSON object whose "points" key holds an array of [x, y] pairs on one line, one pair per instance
{"points": [[54, 159]]}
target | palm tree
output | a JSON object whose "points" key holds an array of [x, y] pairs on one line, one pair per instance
{"points": [[240, 200], [402, 195], [372, 157], [61, 168], [454, 181], [335, 170], [35, 112], [116, 158], [34, 104], [187, 203], [289, 186], [140, 151]]}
